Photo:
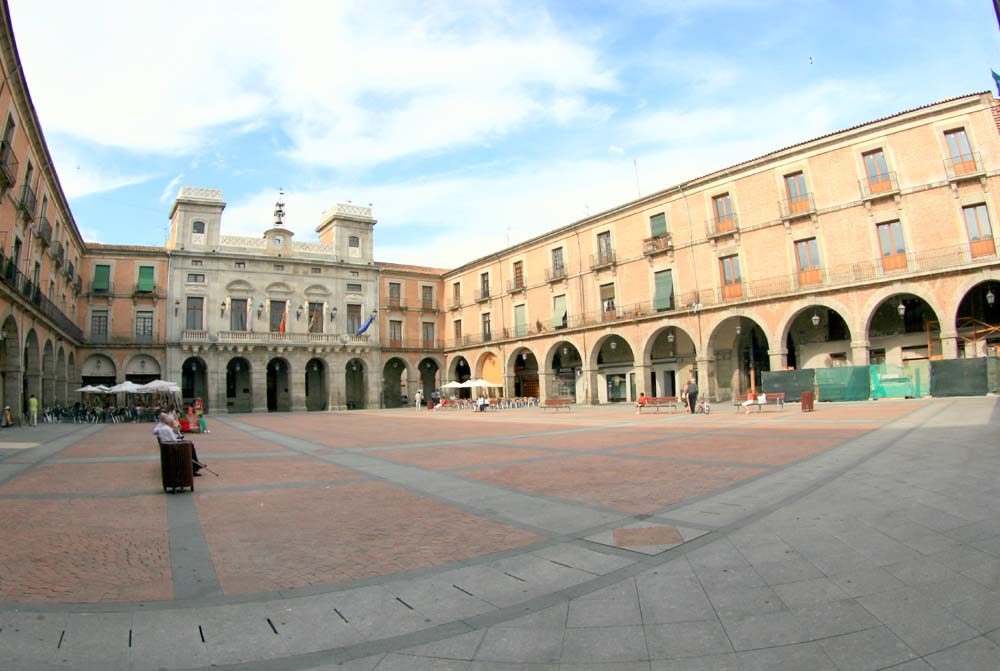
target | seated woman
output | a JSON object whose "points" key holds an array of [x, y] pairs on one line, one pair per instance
{"points": [[642, 400], [750, 402]]}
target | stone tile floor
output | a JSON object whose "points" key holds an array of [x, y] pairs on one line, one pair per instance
{"points": [[861, 536]]}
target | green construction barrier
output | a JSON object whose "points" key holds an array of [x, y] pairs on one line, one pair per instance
{"points": [[993, 374], [959, 377], [847, 383], [890, 381], [792, 382]]}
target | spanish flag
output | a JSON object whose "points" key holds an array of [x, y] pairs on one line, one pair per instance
{"points": [[281, 327]]}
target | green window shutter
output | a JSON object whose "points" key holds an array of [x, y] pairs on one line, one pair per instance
{"points": [[520, 321], [558, 311], [658, 224], [146, 278], [102, 278], [664, 296]]}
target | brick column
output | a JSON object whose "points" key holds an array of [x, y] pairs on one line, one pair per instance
{"points": [[949, 344], [779, 358], [859, 352], [642, 379], [258, 384]]}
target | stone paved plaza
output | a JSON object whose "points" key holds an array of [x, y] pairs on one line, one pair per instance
{"points": [[861, 536]]}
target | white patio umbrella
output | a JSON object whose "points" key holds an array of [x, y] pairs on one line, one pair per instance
{"points": [[452, 385], [483, 383], [126, 387], [160, 386], [90, 389]]}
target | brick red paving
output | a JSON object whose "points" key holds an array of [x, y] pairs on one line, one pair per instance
{"points": [[102, 478], [458, 456], [280, 539], [739, 449], [85, 550], [136, 440], [249, 471], [628, 485]]}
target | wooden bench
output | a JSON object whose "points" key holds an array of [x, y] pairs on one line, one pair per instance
{"points": [[658, 402], [776, 399], [557, 404]]}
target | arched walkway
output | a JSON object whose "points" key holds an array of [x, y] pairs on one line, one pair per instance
{"points": [[10, 365], [977, 321], [671, 354], [614, 362], [32, 367], [279, 397], [395, 372], [742, 354], [194, 381], [239, 386], [316, 390], [564, 372], [356, 388], [525, 378]]}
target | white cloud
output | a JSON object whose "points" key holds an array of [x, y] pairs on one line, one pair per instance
{"points": [[170, 190], [615, 150]]}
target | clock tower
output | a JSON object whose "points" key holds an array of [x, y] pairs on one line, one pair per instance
{"points": [[278, 239]]}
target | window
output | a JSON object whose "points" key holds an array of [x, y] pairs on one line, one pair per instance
{"points": [[277, 322], [196, 263], [353, 317], [798, 197], [960, 152], [605, 254], [608, 301], [732, 281], [198, 228], [520, 320], [658, 225], [102, 278], [394, 293], [315, 317], [456, 293], [354, 242], [316, 271], [240, 264], [484, 285], [99, 325], [395, 333], [722, 209], [195, 277], [427, 297], [458, 330], [238, 314], [279, 267], [807, 256], [877, 172], [144, 326], [559, 316], [354, 288], [195, 310], [146, 284], [487, 327], [876, 357], [558, 263], [977, 223], [518, 275], [427, 334], [838, 359], [663, 296], [354, 273], [890, 239]]}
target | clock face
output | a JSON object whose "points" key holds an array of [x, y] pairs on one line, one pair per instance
{"points": [[278, 239]]}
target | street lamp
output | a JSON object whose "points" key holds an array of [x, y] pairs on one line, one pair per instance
{"points": [[670, 337], [990, 298], [901, 308], [815, 320], [739, 328], [333, 312]]}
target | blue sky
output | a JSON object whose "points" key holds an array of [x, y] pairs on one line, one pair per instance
{"points": [[465, 124]]}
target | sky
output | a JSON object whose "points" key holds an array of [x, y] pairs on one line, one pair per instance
{"points": [[468, 126]]}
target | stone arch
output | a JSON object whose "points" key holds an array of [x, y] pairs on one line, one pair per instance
{"points": [[48, 397], [807, 330], [797, 307], [239, 385], [964, 287], [563, 376], [427, 377], [194, 381], [670, 352], [11, 362], [460, 369], [140, 365], [739, 367], [72, 377], [613, 363], [98, 369], [61, 388], [607, 338], [882, 294], [976, 320], [316, 374], [394, 370], [356, 384], [525, 373]]}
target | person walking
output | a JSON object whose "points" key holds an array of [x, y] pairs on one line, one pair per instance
{"points": [[419, 397], [692, 392], [33, 410]]}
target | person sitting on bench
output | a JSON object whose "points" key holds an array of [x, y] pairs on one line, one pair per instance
{"points": [[750, 402], [165, 433]]}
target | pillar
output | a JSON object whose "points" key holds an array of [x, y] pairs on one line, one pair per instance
{"points": [[258, 385], [338, 381], [949, 345], [779, 358], [297, 381], [589, 394], [707, 384], [642, 379], [216, 382], [859, 352]]}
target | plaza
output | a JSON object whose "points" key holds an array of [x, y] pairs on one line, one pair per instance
{"points": [[860, 536]]}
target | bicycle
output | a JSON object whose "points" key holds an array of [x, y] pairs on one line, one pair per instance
{"points": [[703, 408]]}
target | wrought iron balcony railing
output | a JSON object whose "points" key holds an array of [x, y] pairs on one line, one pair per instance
{"points": [[27, 202], [44, 230], [657, 244], [803, 206], [879, 186], [964, 166], [723, 226], [602, 259], [23, 285], [555, 273], [8, 166]]}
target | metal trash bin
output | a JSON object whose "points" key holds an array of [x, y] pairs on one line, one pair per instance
{"points": [[176, 466], [807, 401]]}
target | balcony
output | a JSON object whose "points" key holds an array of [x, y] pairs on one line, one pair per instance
{"points": [[602, 259], [802, 206], [431, 344], [395, 344], [555, 273], [26, 204], [718, 227], [515, 285], [658, 244], [45, 231], [966, 166], [482, 294], [264, 337], [145, 290], [879, 186], [102, 291], [58, 253], [8, 166], [79, 284], [428, 305], [20, 283], [455, 303], [394, 303], [70, 272]]}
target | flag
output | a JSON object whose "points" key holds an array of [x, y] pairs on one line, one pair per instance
{"points": [[996, 80], [312, 319], [250, 314], [281, 326]]}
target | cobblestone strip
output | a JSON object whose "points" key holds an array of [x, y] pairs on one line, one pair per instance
{"points": [[191, 565], [13, 466]]}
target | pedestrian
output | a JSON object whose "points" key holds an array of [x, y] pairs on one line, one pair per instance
{"points": [[684, 397], [435, 397], [199, 411], [643, 400], [419, 396], [33, 410], [692, 392]]}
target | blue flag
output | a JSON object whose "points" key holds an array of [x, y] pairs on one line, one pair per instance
{"points": [[996, 79]]}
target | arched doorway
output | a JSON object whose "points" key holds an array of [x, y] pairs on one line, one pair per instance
{"points": [[238, 386], [491, 370], [61, 377], [48, 375], [615, 371], [194, 381], [393, 381], [99, 369], [904, 335], [356, 389], [279, 398], [525, 367], [10, 365], [316, 396], [566, 371], [818, 337], [32, 367], [978, 321], [143, 368], [750, 354], [428, 370], [72, 380], [671, 362], [462, 373]]}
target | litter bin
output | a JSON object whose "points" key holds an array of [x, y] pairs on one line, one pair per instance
{"points": [[807, 401]]}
